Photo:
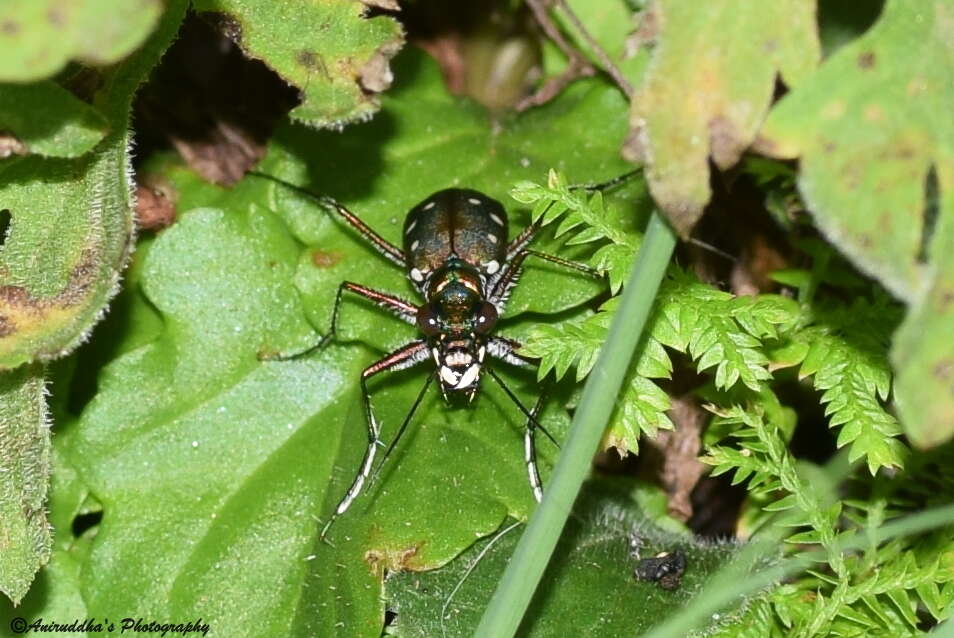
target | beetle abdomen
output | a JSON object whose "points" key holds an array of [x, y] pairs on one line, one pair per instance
{"points": [[455, 222]]}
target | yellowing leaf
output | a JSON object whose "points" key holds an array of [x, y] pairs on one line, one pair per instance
{"points": [[707, 89], [869, 127]]}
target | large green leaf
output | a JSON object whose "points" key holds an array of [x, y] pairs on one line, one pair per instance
{"points": [[871, 129], [588, 590], [214, 468], [336, 56], [708, 87], [38, 37]]}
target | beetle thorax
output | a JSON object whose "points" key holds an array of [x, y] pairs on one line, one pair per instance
{"points": [[456, 321]]}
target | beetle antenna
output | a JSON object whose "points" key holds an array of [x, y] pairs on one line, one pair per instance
{"points": [[610, 183], [712, 249]]}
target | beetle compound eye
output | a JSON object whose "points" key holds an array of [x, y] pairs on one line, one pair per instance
{"points": [[486, 318], [427, 321]]}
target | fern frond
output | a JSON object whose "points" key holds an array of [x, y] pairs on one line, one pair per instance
{"points": [[845, 354]]}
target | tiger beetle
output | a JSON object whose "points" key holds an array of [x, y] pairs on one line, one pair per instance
{"points": [[456, 255]]}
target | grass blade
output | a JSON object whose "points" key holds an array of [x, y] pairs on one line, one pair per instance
{"points": [[515, 590]]}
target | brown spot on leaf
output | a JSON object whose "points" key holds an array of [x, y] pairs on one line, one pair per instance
{"points": [[945, 300], [308, 59], [14, 295], [56, 18], [864, 240], [323, 259], [9, 27], [874, 113], [6, 327], [866, 60], [81, 279], [944, 370], [646, 33], [391, 560]]}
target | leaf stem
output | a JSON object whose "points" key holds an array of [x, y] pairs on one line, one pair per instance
{"points": [[515, 590]]}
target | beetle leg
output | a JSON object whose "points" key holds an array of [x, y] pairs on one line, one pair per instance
{"points": [[403, 357], [402, 309], [529, 442], [383, 246], [530, 449]]}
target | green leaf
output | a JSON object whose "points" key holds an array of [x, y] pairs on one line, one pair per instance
{"points": [[850, 366], [872, 135], [55, 594], [588, 590], [641, 408], [72, 225], [48, 120], [718, 330], [923, 347], [38, 37], [868, 126], [328, 49], [724, 56], [69, 238], [232, 462], [25, 467]]}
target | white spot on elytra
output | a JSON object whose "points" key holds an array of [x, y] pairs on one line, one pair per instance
{"points": [[492, 266], [429, 205], [415, 244], [411, 227], [496, 218], [474, 201], [417, 275], [492, 238]]}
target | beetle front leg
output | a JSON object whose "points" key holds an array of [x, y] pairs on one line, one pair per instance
{"points": [[402, 309], [401, 358]]}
